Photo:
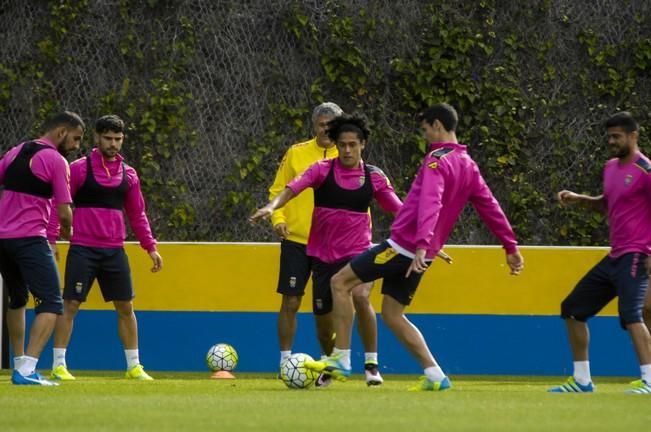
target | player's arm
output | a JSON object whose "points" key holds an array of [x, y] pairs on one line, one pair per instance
{"points": [[384, 193], [429, 209], [284, 175], [64, 211], [277, 202], [134, 206], [493, 216], [594, 203]]}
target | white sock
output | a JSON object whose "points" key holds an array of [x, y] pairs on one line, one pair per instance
{"points": [[58, 357], [582, 372], [27, 366], [284, 355], [133, 358], [18, 361], [344, 356], [434, 373], [646, 373], [370, 357]]}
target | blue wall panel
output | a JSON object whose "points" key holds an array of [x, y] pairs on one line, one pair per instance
{"points": [[463, 344]]}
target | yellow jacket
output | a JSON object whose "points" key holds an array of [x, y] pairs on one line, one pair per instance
{"points": [[297, 213]]}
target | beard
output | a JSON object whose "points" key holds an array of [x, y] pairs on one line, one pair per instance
{"points": [[620, 152]]}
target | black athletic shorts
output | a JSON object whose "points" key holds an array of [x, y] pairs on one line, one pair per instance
{"points": [[384, 262], [295, 267], [27, 265], [321, 293], [624, 277], [110, 266]]}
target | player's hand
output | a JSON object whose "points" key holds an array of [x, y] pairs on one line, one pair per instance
{"points": [[261, 213], [65, 233], [566, 197], [55, 251], [157, 260], [515, 262], [445, 257], [418, 265], [281, 230]]}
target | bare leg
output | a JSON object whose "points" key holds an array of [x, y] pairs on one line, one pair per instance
{"points": [[579, 337], [342, 285], [127, 324], [65, 323], [641, 341], [324, 332], [16, 330], [366, 318], [40, 333], [407, 333], [287, 321]]}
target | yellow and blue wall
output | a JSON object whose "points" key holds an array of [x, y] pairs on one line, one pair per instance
{"points": [[476, 318]]}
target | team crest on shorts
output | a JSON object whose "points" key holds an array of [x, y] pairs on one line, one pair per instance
{"points": [[79, 287], [292, 282]]}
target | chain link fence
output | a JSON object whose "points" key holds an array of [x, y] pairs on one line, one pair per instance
{"points": [[245, 61]]}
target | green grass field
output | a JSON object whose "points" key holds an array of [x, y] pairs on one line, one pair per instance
{"points": [[104, 401]]}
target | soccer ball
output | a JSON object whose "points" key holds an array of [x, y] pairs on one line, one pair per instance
{"points": [[221, 357], [294, 373]]}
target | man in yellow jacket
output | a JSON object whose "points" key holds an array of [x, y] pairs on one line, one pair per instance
{"points": [[292, 224]]}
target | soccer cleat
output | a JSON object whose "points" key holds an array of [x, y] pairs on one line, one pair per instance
{"points": [[33, 379], [61, 373], [138, 372], [323, 381], [426, 385], [639, 387], [373, 377], [571, 386], [329, 366]]}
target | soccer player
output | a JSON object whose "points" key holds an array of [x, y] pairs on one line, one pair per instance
{"points": [[102, 186], [292, 224], [36, 178], [446, 181], [343, 189], [623, 273]]}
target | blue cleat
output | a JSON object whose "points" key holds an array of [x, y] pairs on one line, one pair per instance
{"points": [[639, 387], [571, 386], [329, 366], [33, 379]]}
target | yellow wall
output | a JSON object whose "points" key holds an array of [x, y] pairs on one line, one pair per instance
{"points": [[243, 277]]}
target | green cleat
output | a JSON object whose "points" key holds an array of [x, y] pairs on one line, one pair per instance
{"points": [[61, 373], [426, 385], [138, 373], [639, 387], [329, 366]]}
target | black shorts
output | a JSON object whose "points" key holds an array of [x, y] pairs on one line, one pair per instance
{"points": [[321, 293], [384, 262], [624, 277], [295, 267], [27, 265], [110, 266]]}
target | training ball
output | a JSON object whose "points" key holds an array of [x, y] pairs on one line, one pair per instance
{"points": [[294, 373], [221, 357]]}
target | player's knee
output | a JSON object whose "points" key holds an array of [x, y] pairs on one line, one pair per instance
{"points": [[290, 304], [631, 316], [17, 301], [390, 318], [568, 309]]}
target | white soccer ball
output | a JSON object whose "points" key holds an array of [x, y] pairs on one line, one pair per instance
{"points": [[221, 357], [294, 373]]}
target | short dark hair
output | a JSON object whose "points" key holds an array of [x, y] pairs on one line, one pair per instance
{"points": [[348, 123], [108, 123], [445, 113], [68, 119], [623, 119]]}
